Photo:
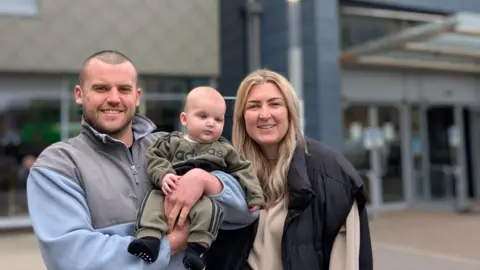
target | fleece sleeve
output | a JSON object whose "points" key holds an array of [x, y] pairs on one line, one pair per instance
{"points": [[62, 224], [233, 201]]}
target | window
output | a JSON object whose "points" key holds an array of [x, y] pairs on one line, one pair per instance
{"points": [[359, 29], [359, 25], [172, 85], [27, 126], [175, 85], [19, 7]]}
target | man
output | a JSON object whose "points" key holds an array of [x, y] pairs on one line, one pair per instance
{"points": [[83, 193]]}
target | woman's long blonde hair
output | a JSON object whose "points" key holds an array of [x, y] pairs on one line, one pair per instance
{"points": [[272, 179]]}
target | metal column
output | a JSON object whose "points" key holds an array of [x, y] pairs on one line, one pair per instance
{"points": [[475, 144], [461, 187], [375, 176], [254, 10], [295, 52], [427, 193], [409, 188]]}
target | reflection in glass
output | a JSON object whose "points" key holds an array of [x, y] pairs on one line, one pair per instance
{"points": [[442, 156], [176, 85], [417, 149], [392, 182], [165, 114], [75, 118], [355, 120], [27, 126]]}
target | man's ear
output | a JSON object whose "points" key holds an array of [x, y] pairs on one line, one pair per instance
{"points": [[139, 95], [78, 95]]}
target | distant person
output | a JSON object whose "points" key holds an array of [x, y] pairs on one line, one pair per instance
{"points": [[24, 170], [177, 153]]}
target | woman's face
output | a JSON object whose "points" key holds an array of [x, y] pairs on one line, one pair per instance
{"points": [[266, 117]]}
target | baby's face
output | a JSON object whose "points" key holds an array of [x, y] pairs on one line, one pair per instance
{"points": [[205, 119]]}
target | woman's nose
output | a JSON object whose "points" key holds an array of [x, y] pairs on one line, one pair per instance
{"points": [[264, 113]]}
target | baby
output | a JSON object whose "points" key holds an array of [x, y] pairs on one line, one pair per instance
{"points": [[175, 154]]}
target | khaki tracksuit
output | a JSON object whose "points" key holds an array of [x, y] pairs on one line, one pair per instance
{"points": [[175, 154]]}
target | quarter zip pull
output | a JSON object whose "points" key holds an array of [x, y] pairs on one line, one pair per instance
{"points": [[135, 172]]}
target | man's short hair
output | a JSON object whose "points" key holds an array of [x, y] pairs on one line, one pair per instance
{"points": [[107, 56]]}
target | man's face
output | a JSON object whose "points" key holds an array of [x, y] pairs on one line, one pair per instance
{"points": [[109, 96]]}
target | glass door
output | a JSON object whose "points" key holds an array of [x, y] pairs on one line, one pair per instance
{"points": [[373, 144], [441, 162], [391, 155], [355, 122]]}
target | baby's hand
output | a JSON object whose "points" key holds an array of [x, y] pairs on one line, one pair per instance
{"points": [[169, 183], [254, 208]]}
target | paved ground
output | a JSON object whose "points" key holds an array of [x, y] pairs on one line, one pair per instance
{"points": [[434, 240], [19, 251], [412, 240]]}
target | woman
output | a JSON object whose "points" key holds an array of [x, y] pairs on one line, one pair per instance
{"points": [[316, 216]]}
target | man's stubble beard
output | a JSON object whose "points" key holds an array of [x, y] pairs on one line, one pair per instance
{"points": [[115, 133]]}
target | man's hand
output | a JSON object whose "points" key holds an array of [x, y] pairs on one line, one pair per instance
{"points": [[178, 238], [169, 183], [190, 188]]}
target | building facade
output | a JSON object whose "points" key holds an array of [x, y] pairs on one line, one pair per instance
{"points": [[390, 83], [174, 44]]}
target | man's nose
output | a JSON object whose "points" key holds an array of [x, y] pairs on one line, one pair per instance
{"points": [[113, 96]]}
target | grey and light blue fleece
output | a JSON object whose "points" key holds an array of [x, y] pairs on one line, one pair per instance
{"points": [[83, 195]]}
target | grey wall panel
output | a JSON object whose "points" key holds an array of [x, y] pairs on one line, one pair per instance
{"points": [[30, 84], [363, 85], [412, 88], [402, 85], [168, 37], [445, 88]]}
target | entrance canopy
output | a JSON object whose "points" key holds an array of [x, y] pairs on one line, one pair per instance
{"points": [[450, 44]]}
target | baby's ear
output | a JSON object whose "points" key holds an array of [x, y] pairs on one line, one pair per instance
{"points": [[183, 119]]}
